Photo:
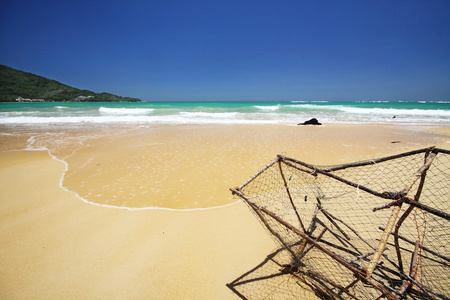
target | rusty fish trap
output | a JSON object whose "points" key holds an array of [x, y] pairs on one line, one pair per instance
{"points": [[376, 229]]}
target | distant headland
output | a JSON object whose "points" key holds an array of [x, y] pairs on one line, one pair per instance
{"points": [[19, 86]]}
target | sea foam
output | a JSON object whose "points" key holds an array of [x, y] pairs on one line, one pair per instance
{"points": [[125, 111]]}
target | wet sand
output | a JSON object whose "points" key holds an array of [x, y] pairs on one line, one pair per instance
{"points": [[54, 243]]}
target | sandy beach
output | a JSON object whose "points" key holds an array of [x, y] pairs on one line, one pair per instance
{"points": [[146, 212]]}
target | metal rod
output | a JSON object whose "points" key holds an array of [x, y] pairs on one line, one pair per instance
{"points": [[330, 218], [395, 235], [423, 247], [316, 170], [372, 161], [426, 208], [294, 256], [303, 254], [412, 269], [406, 214], [394, 214], [290, 197], [257, 174]]}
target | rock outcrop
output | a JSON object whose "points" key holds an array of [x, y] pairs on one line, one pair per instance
{"points": [[313, 121]]}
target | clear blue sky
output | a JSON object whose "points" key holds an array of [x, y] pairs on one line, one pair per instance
{"points": [[234, 50]]}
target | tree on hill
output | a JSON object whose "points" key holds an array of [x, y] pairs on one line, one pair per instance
{"points": [[18, 84]]}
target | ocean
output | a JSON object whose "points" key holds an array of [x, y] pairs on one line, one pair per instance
{"points": [[245, 112]]}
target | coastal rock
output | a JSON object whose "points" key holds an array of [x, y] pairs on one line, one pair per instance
{"points": [[313, 121]]}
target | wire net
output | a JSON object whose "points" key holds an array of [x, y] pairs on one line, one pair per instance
{"points": [[364, 230]]}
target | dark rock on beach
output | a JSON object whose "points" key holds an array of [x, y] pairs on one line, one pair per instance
{"points": [[313, 121]]}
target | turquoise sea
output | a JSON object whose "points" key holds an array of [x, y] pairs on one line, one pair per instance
{"points": [[293, 112]]}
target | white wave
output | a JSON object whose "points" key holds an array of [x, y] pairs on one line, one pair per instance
{"points": [[201, 114], [269, 108], [313, 106], [295, 114], [375, 111], [125, 111], [182, 118], [393, 111], [305, 101]]}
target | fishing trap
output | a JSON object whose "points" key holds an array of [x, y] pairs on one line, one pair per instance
{"points": [[375, 229]]}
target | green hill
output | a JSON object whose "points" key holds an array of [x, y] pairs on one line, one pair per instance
{"points": [[18, 84]]}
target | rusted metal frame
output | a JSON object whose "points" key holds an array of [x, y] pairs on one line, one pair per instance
{"points": [[362, 163], [343, 241], [382, 159], [338, 178], [423, 247], [308, 238], [392, 271], [236, 191], [303, 254], [429, 159], [343, 249], [406, 214], [274, 233], [437, 150], [309, 231], [412, 269], [424, 207], [315, 275], [312, 223], [362, 256], [330, 218], [339, 259], [387, 205], [424, 256], [352, 230], [424, 288], [395, 235], [349, 286], [323, 291], [427, 208], [257, 174], [318, 278], [290, 197], [346, 242], [389, 289], [394, 214]]}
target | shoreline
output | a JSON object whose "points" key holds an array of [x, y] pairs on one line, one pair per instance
{"points": [[52, 245], [80, 150], [196, 154]]}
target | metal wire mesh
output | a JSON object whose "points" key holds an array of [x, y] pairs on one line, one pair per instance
{"points": [[364, 230]]}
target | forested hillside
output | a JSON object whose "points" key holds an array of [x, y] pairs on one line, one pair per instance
{"points": [[15, 84]]}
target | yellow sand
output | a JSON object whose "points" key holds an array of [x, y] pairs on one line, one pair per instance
{"points": [[53, 245]]}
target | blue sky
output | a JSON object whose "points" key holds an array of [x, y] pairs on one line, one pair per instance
{"points": [[234, 50]]}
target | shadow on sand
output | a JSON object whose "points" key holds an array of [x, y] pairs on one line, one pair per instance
{"points": [[272, 279]]}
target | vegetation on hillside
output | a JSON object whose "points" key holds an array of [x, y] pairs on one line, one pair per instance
{"points": [[15, 84]]}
